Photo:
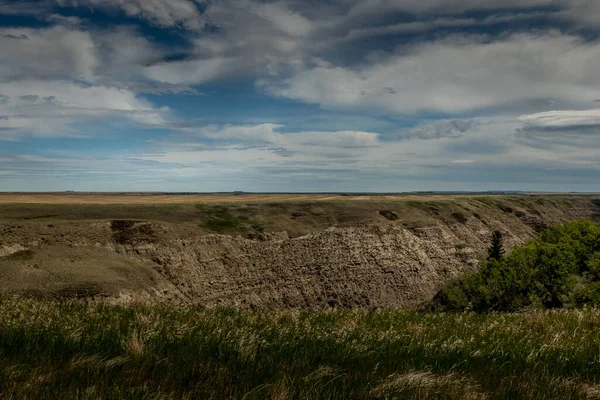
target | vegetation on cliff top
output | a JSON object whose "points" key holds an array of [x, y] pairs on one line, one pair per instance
{"points": [[560, 268]]}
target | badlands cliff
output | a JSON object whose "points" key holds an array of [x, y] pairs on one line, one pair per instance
{"points": [[373, 252]]}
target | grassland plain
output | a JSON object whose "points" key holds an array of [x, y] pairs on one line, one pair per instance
{"points": [[72, 350], [180, 198]]}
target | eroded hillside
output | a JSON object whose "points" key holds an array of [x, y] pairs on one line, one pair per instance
{"points": [[388, 252]]}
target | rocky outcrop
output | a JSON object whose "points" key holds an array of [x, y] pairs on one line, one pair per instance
{"points": [[380, 266]]}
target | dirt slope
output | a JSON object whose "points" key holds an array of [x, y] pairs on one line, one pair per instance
{"points": [[379, 253], [61, 271]]}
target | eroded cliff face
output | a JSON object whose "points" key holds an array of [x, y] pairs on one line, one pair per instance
{"points": [[378, 262], [366, 266]]}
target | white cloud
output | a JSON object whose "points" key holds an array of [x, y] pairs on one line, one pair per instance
{"points": [[442, 6], [582, 12], [268, 134], [321, 53], [64, 20], [282, 18], [70, 96], [53, 78], [263, 133], [358, 19], [253, 38], [462, 161], [355, 33], [441, 128], [317, 163], [457, 74], [190, 72], [159, 12], [49, 107], [124, 53], [162, 88], [492, 143], [563, 118], [51, 53]]}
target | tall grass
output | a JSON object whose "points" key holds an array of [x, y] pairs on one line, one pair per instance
{"points": [[89, 351]]}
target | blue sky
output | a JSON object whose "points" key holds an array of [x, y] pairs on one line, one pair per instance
{"points": [[291, 95]]}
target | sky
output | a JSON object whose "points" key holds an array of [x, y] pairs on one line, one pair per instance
{"points": [[299, 95]]}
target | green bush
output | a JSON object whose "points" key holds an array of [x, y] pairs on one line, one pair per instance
{"points": [[560, 268]]}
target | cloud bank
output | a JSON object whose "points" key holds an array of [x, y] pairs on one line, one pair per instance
{"points": [[341, 95]]}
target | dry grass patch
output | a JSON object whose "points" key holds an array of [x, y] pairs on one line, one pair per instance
{"points": [[427, 385]]}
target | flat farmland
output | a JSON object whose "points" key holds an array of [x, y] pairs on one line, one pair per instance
{"points": [[179, 198], [144, 198]]}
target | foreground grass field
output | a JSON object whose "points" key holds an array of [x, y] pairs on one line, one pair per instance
{"points": [[74, 350]]}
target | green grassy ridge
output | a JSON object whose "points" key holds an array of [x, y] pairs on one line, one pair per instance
{"points": [[89, 351], [300, 217], [559, 268], [336, 210], [220, 219]]}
